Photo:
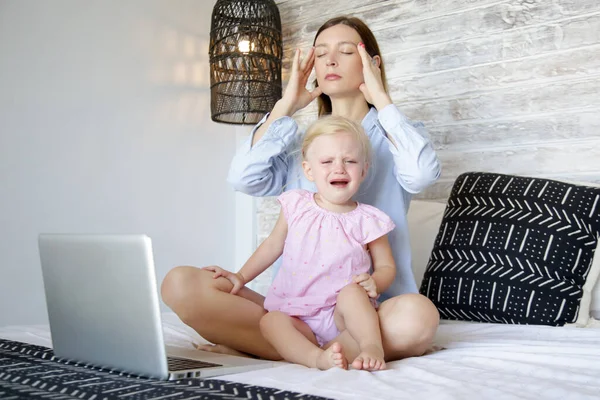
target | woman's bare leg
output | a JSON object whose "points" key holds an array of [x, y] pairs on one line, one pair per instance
{"points": [[296, 343], [408, 324], [355, 313], [205, 304]]}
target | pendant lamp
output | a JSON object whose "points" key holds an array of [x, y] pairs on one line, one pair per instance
{"points": [[245, 60]]}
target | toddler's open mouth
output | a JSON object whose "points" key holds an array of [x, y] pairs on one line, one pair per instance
{"points": [[340, 183]]}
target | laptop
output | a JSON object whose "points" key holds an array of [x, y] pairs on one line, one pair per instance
{"points": [[103, 309]]}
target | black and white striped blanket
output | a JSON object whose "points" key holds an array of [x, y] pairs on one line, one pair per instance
{"points": [[33, 372]]}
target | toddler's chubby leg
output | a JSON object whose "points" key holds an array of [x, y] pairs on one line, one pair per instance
{"points": [[296, 342], [355, 313]]}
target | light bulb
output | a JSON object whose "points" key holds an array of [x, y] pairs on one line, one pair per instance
{"points": [[245, 46]]}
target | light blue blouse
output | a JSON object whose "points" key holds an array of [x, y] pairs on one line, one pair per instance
{"points": [[273, 165]]}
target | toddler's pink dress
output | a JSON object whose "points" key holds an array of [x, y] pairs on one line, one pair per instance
{"points": [[323, 252]]}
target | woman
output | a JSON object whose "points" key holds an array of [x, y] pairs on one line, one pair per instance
{"points": [[351, 83]]}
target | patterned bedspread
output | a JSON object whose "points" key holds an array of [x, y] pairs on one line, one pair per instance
{"points": [[29, 372]]}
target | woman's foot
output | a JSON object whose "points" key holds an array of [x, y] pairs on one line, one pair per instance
{"points": [[433, 349], [332, 357], [369, 359], [221, 349]]}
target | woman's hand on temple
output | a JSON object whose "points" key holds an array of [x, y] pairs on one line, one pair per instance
{"points": [[236, 279], [296, 95], [368, 283], [372, 86]]}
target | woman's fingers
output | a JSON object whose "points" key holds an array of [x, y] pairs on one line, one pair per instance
{"points": [[368, 62], [308, 60], [311, 61], [296, 62], [296, 93], [302, 67], [316, 93], [364, 56]]}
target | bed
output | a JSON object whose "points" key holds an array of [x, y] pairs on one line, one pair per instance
{"points": [[478, 360], [469, 360]]}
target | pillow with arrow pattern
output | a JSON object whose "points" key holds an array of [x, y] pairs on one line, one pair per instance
{"points": [[515, 250]]}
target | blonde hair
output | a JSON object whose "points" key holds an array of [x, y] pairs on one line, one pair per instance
{"points": [[332, 124]]}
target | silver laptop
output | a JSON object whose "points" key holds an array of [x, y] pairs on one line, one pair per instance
{"points": [[103, 308]]}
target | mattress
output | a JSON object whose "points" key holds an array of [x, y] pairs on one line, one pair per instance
{"points": [[471, 360]]}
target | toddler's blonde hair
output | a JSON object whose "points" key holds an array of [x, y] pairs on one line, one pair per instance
{"points": [[330, 125]]}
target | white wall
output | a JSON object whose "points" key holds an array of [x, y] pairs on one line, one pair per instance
{"points": [[105, 127]]}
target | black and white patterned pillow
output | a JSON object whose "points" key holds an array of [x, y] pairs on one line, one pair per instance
{"points": [[515, 249]]}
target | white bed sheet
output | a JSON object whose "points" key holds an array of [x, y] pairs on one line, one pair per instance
{"points": [[484, 361]]}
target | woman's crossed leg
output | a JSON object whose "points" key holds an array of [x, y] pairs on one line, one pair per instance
{"points": [[407, 322]]}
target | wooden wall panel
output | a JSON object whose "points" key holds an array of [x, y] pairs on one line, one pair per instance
{"points": [[516, 101], [529, 41], [507, 86], [576, 157], [563, 126], [398, 29], [550, 67]]}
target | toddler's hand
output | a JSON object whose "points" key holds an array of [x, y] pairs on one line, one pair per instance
{"points": [[368, 283], [236, 279]]}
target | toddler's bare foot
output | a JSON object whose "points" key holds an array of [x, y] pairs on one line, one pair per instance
{"points": [[220, 349], [332, 357], [369, 359]]}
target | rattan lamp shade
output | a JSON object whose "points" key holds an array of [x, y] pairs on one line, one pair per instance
{"points": [[245, 60]]}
